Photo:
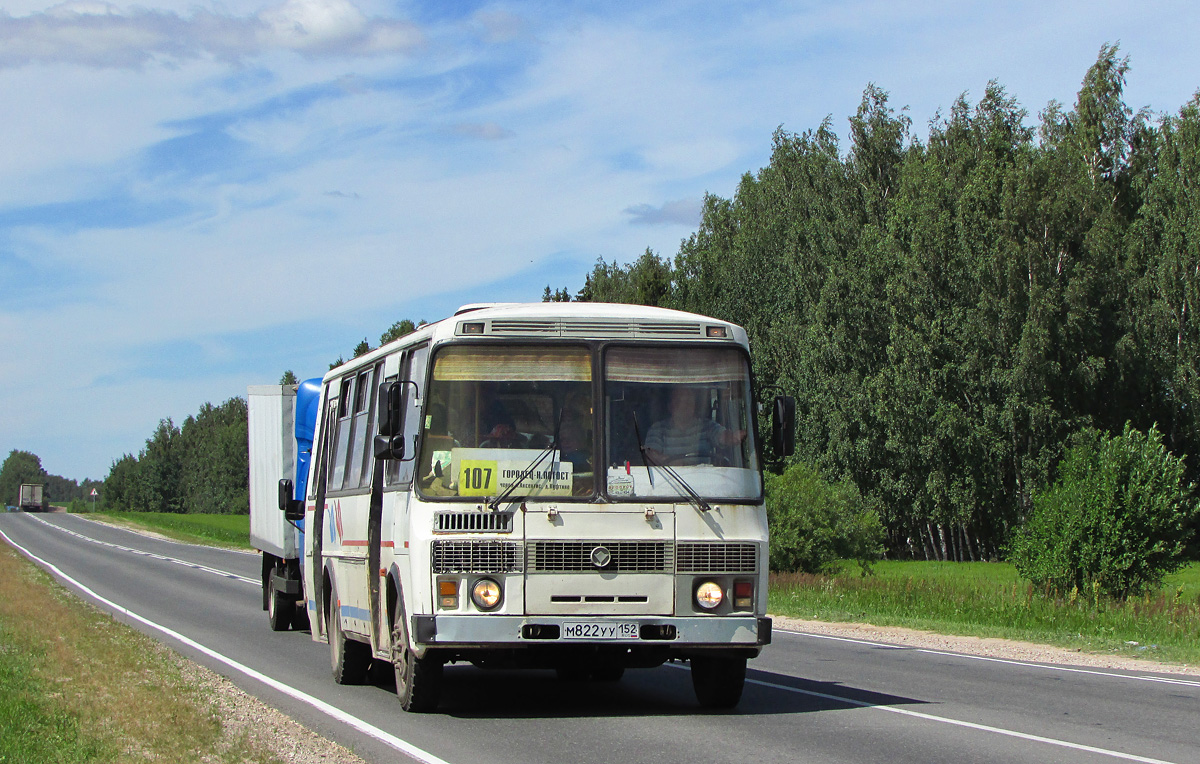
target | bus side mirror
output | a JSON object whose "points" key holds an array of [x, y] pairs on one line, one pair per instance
{"points": [[783, 425], [388, 409], [389, 447], [293, 509]]}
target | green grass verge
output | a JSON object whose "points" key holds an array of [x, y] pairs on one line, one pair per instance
{"points": [[76, 686], [36, 727], [219, 530], [991, 600]]}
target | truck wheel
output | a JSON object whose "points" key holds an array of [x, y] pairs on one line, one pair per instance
{"points": [[281, 609], [718, 680], [268, 567], [418, 680], [348, 659]]}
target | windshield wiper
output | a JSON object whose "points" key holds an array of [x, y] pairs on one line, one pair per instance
{"points": [[642, 448], [494, 504], [683, 487]]}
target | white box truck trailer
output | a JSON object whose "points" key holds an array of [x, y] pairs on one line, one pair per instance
{"points": [[280, 441], [31, 498], [271, 421]]}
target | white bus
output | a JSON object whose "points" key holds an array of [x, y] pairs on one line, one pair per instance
{"points": [[570, 486]]}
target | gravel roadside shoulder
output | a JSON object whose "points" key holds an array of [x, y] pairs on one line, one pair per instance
{"points": [[243, 714]]}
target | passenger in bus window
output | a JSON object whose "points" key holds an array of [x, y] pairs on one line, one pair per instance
{"points": [[501, 429], [686, 437], [575, 445]]}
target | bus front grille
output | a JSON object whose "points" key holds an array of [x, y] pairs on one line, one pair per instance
{"points": [[618, 557], [710, 557], [476, 557]]}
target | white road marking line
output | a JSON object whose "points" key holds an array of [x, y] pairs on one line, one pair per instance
{"points": [[177, 561], [330, 710], [1009, 661], [833, 638], [955, 722]]}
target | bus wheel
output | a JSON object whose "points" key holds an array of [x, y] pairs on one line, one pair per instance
{"points": [[349, 659], [575, 671], [281, 609], [418, 680], [300, 619], [608, 671], [718, 680]]}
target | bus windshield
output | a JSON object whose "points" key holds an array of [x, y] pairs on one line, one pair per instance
{"points": [[518, 421], [492, 413], [678, 420]]}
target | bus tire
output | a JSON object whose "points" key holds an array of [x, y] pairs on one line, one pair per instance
{"points": [[418, 680], [718, 680], [575, 671], [281, 609], [608, 671], [300, 617], [348, 659]]}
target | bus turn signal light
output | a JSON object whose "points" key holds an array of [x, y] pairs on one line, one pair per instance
{"points": [[743, 595], [448, 594]]}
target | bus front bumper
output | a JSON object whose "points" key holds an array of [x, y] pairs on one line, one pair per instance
{"points": [[488, 631]]}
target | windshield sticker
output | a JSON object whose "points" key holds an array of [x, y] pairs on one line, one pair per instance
{"points": [[620, 485]]}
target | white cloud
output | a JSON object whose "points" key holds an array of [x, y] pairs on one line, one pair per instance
{"points": [[101, 35], [680, 212], [334, 27]]}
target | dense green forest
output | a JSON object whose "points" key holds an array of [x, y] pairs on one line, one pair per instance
{"points": [[202, 466], [948, 312]]}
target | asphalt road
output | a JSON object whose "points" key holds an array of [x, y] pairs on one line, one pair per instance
{"points": [[808, 698]]}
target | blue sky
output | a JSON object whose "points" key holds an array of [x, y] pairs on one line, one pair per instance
{"points": [[196, 195]]}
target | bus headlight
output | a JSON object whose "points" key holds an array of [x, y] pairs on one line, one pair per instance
{"points": [[486, 594], [709, 595]]}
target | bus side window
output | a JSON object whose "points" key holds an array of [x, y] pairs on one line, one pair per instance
{"points": [[341, 442], [358, 435], [366, 386]]}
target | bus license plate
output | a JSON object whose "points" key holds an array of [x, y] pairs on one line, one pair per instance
{"points": [[590, 630]]}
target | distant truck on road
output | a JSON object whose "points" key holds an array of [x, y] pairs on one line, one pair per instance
{"points": [[31, 497]]}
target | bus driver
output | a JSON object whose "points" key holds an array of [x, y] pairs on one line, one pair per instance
{"points": [[685, 437]]}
